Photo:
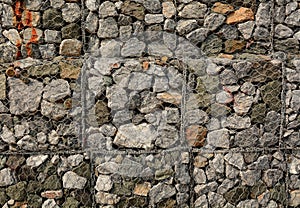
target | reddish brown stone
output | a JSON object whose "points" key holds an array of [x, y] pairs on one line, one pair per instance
{"points": [[241, 15], [222, 8], [52, 194], [232, 46], [195, 135]]}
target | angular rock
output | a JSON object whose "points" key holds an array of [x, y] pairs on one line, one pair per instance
{"points": [[104, 183], [289, 44], [2, 87], [168, 9], [56, 90], [8, 51], [196, 135], [193, 10], [6, 177], [17, 191], [52, 36], [161, 191], [295, 101], [270, 95], [71, 12], [282, 31], [198, 35], [13, 36], [71, 31], [132, 136], [212, 45], [237, 122], [232, 46], [107, 9], [70, 47], [142, 189], [24, 98], [28, 143], [133, 47], [293, 19], [240, 15], [53, 19], [237, 194], [154, 18], [221, 8], [7, 135], [246, 29], [218, 138], [106, 198], [54, 111], [73, 181], [242, 103], [7, 15], [213, 21], [167, 136], [272, 176], [140, 81], [247, 137], [170, 97], [91, 24], [133, 9], [185, 26], [36, 161], [216, 200], [263, 17], [92, 5], [294, 199]]}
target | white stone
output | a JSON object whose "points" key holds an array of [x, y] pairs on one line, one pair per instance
{"points": [[73, 181], [50, 203], [71, 12], [36, 161], [7, 135], [6, 177], [75, 160], [13, 36], [104, 183]]}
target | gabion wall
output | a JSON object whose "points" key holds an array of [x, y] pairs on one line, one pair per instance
{"points": [[149, 103]]}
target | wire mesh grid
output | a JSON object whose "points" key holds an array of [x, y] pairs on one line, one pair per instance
{"points": [[140, 116]]}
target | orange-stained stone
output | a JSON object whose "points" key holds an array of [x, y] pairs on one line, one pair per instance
{"points": [[232, 46], [69, 71], [52, 194], [142, 189], [168, 97], [145, 65], [195, 135], [227, 56], [241, 15], [222, 8]]}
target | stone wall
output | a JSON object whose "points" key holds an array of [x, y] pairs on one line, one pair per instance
{"points": [[149, 103]]}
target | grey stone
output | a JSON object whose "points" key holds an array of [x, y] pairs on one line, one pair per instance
{"points": [[293, 19], [73, 181], [297, 35], [7, 177], [294, 198], [225, 186], [185, 26], [92, 5], [7, 135], [8, 51], [52, 19], [2, 87], [196, 116], [54, 111], [104, 183], [248, 88], [133, 47], [242, 103], [56, 90], [187, 50], [3, 108], [248, 203], [160, 84], [71, 12], [268, 139], [261, 33], [247, 137], [140, 81], [294, 165], [24, 98], [193, 10], [229, 32], [167, 136], [199, 176], [198, 35], [49, 203], [70, 47], [237, 122], [57, 4], [272, 176], [53, 137], [108, 28], [52, 36], [36, 161], [91, 24], [237, 194], [250, 177], [168, 9], [48, 51], [282, 31], [212, 45], [133, 9], [213, 21], [218, 138], [27, 34], [169, 25], [110, 48], [161, 191], [216, 200], [262, 16], [235, 159], [295, 101], [290, 7], [132, 136], [97, 84], [122, 117], [205, 188], [201, 202], [272, 121], [154, 18], [107, 9], [28, 143], [7, 15], [117, 98], [13, 36], [279, 14], [289, 44]]}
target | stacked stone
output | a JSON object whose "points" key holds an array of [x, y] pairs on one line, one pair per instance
{"points": [[36, 108], [40, 29], [146, 180], [45, 181]]}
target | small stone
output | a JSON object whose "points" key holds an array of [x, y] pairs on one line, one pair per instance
{"points": [[13, 36], [102, 112], [161, 191], [2, 87], [6, 177], [92, 5], [107, 9], [218, 7], [142, 189], [270, 93], [52, 194], [70, 47], [232, 46], [167, 136], [50, 203], [52, 36], [262, 16], [212, 45], [241, 15], [55, 111], [133, 9], [247, 137], [242, 103], [71, 31], [282, 31], [18, 191], [72, 181], [229, 32], [272, 176], [289, 44], [36, 161], [91, 24], [71, 12], [110, 48], [294, 165], [52, 18], [295, 101], [198, 35], [75, 160], [70, 202], [104, 183], [168, 9], [140, 81], [24, 98], [237, 194], [216, 200], [218, 138], [237, 122], [56, 90], [193, 10], [69, 71], [224, 97], [133, 47], [246, 29], [213, 21], [106, 198], [130, 135], [7, 15], [7, 135], [199, 176], [196, 135], [170, 97], [235, 159], [57, 4], [293, 19], [294, 199], [186, 26], [154, 18], [261, 33]]}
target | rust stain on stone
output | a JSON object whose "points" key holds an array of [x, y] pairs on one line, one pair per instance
{"points": [[18, 22]]}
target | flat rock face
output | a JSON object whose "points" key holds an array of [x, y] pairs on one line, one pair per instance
{"points": [[24, 98], [6, 177], [73, 181], [130, 135]]}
